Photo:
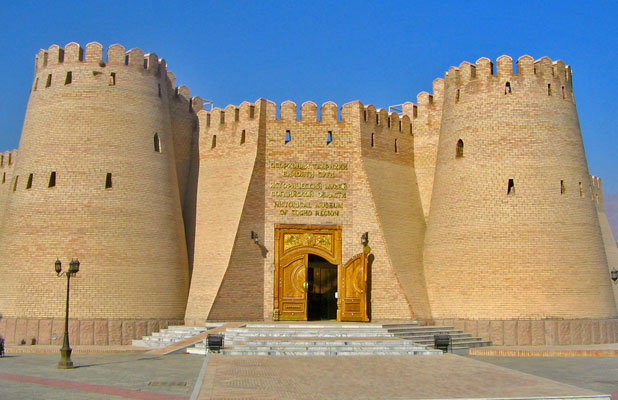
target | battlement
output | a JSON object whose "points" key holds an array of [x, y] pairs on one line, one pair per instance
{"points": [[329, 112], [544, 71], [288, 111], [382, 119], [7, 159], [116, 55], [425, 102], [221, 117]]}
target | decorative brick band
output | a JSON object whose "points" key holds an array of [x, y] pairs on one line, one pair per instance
{"points": [[539, 332], [100, 332]]}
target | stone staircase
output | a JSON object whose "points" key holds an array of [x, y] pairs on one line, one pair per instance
{"points": [[320, 339], [424, 335], [171, 335], [315, 340]]}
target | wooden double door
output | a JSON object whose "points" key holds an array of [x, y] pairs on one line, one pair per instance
{"points": [[311, 283]]}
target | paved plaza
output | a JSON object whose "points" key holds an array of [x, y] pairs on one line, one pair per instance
{"points": [[173, 377], [99, 376]]}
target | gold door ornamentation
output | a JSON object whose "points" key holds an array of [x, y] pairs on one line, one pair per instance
{"points": [[292, 285], [352, 287], [293, 243]]}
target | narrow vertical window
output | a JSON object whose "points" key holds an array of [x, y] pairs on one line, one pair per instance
{"points": [[365, 115], [242, 137], [288, 136], [377, 119], [329, 137], [157, 143], [29, 183], [126, 59], [3, 177], [400, 126], [159, 86], [388, 122], [457, 96], [562, 188], [214, 142], [507, 88], [10, 159], [15, 183], [108, 180], [251, 112], [549, 89], [69, 78], [511, 187], [564, 94], [112, 79], [581, 190], [459, 149], [48, 81], [36, 83], [373, 140], [236, 114], [396, 148], [1, 160], [52, 179]]}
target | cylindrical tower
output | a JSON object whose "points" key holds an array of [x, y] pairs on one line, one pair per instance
{"points": [[513, 231], [95, 179]]}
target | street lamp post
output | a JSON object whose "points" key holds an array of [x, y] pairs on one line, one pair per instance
{"points": [[65, 352]]}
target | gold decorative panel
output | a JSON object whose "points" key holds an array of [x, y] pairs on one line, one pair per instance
{"points": [[292, 240]]}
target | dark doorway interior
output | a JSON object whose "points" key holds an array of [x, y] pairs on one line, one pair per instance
{"points": [[322, 286]]}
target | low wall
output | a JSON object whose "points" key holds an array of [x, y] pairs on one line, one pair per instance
{"points": [[539, 332], [84, 332]]}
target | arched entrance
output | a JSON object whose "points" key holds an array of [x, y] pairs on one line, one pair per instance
{"points": [[311, 283]]}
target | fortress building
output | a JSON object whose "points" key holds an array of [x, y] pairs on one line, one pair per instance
{"points": [[472, 207]]}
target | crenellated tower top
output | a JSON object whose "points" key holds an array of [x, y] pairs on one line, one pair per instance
{"points": [[553, 77]]}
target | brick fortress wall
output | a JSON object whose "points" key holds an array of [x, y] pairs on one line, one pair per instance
{"points": [[531, 252], [96, 178], [318, 177], [302, 169], [454, 241]]}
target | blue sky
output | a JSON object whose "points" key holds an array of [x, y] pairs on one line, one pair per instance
{"points": [[379, 52]]}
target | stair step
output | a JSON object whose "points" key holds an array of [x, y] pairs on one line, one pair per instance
{"points": [[322, 342], [425, 335], [425, 329], [313, 326]]}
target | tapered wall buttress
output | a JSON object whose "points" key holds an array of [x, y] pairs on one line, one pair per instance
{"points": [[513, 230]]}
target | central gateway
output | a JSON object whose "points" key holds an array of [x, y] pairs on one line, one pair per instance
{"points": [[311, 283]]}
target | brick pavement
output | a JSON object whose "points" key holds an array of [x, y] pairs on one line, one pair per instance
{"points": [[379, 377], [594, 373], [98, 376], [139, 376]]}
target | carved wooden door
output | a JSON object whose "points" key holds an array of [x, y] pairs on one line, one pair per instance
{"points": [[293, 288], [352, 288]]}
